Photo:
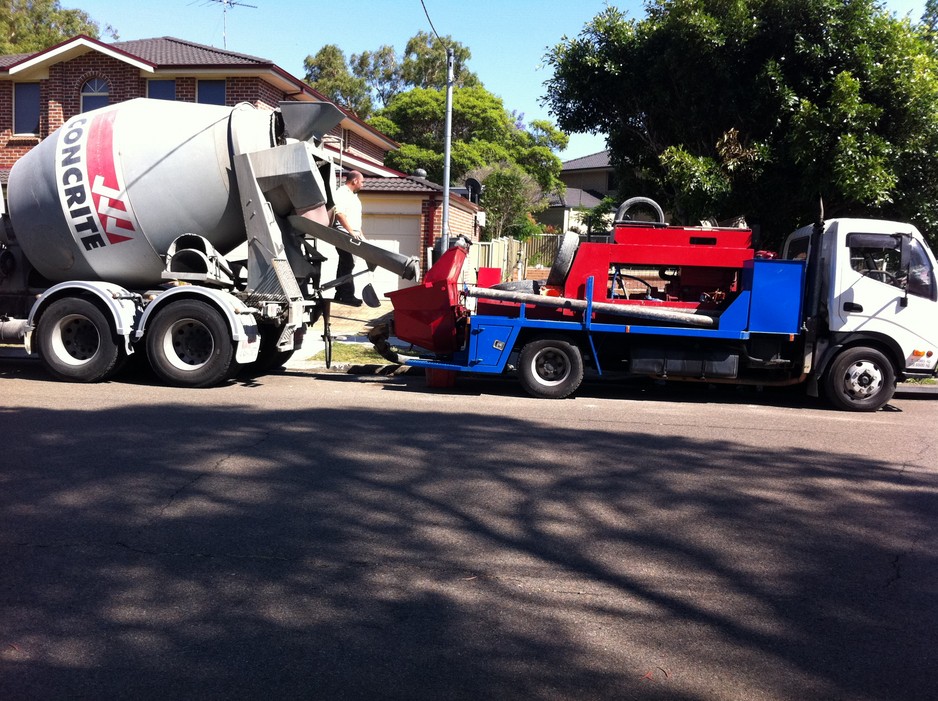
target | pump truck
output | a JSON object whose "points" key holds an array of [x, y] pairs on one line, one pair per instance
{"points": [[187, 233], [849, 308]]}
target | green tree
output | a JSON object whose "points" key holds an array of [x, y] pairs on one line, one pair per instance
{"points": [[509, 195], [424, 62], [483, 132], [759, 107], [381, 71], [27, 26], [596, 219], [329, 73]]}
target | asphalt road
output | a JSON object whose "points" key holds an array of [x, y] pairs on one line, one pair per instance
{"points": [[323, 536]]}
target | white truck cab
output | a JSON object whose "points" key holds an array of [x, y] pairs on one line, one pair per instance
{"points": [[876, 299]]}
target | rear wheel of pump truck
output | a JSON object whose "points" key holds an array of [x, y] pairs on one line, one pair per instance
{"points": [[76, 341], [860, 379], [550, 368], [189, 345]]}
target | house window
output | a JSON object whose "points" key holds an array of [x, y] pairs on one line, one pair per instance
{"points": [[346, 139], [161, 89], [211, 92], [26, 108], [95, 93]]}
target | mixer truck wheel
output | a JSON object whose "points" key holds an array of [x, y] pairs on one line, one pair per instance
{"points": [[76, 342], [860, 379], [189, 345], [550, 368], [269, 357]]}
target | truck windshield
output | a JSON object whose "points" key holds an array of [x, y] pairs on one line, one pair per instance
{"points": [[878, 256]]}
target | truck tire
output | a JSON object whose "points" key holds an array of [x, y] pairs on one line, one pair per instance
{"points": [[269, 357], [564, 259], [550, 368], [860, 379], [76, 342], [622, 213], [189, 345]]}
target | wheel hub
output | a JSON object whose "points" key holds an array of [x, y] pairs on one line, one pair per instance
{"points": [[77, 339], [191, 342], [863, 379], [551, 366]]}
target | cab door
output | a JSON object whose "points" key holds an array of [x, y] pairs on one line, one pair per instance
{"points": [[885, 284]]}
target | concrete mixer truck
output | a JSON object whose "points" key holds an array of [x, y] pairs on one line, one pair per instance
{"points": [[188, 233]]}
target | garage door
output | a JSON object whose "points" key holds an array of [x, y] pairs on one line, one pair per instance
{"points": [[399, 233]]}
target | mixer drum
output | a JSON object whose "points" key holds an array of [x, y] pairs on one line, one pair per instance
{"points": [[104, 196]]}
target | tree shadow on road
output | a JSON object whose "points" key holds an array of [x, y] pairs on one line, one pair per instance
{"points": [[169, 551]]}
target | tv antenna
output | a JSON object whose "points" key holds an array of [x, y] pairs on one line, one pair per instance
{"points": [[225, 5]]}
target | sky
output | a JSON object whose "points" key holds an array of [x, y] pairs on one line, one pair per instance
{"points": [[508, 38]]}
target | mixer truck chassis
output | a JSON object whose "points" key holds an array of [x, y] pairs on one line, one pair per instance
{"points": [[187, 233]]}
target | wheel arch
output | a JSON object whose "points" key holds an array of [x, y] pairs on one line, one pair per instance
{"points": [[118, 304], [240, 319], [885, 345]]}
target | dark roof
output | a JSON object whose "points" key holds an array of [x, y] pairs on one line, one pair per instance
{"points": [[574, 197], [406, 183], [594, 160], [7, 61], [165, 52], [170, 51], [411, 184]]}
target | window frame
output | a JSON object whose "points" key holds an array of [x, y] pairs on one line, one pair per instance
{"points": [[17, 99], [211, 81], [94, 95], [165, 82]]}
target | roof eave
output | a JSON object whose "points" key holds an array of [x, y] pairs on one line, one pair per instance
{"points": [[70, 48]]}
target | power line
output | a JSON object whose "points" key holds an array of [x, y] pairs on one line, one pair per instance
{"points": [[439, 38]]}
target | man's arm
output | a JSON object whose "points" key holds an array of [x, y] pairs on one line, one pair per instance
{"points": [[345, 225]]}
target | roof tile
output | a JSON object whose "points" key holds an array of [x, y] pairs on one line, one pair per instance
{"points": [[170, 51], [594, 160]]}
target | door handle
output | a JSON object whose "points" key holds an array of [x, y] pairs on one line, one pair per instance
{"points": [[852, 307]]}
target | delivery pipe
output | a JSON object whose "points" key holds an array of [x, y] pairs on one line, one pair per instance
{"points": [[631, 310], [407, 267]]}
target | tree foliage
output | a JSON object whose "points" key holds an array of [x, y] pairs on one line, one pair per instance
{"points": [[759, 107], [509, 195], [328, 73], [483, 132], [410, 92], [373, 78], [424, 62], [27, 26]]}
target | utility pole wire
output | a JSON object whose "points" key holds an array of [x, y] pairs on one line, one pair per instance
{"points": [[424, 6]]}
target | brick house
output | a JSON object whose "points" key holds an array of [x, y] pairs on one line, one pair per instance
{"points": [[40, 91]]}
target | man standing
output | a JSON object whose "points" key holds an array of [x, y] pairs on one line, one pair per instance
{"points": [[348, 219]]}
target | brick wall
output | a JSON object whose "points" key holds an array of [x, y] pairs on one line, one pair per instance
{"points": [[258, 92], [60, 97], [461, 222], [10, 148]]}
